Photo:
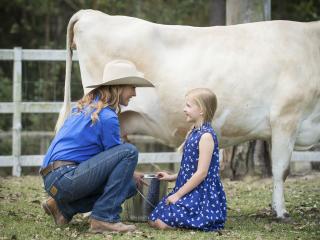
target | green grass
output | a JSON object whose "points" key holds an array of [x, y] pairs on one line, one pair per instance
{"points": [[249, 215]]}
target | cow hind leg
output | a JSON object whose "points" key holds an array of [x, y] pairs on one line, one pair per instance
{"points": [[281, 151]]}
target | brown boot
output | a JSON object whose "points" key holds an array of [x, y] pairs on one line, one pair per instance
{"points": [[97, 226], [51, 208]]}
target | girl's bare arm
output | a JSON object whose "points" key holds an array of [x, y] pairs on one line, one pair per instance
{"points": [[206, 147]]}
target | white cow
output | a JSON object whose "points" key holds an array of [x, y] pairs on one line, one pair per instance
{"points": [[266, 76]]}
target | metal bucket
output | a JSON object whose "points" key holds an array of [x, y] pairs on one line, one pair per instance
{"points": [[139, 207]]}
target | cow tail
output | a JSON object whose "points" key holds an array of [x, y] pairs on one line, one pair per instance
{"points": [[66, 107]]}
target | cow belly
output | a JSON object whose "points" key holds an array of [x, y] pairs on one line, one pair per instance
{"points": [[238, 125], [308, 134]]}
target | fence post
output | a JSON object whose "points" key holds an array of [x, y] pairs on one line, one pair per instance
{"points": [[267, 10], [16, 123]]}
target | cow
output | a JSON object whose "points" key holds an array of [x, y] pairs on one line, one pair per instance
{"points": [[266, 76]]}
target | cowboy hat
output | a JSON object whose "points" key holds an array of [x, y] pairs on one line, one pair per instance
{"points": [[122, 72]]}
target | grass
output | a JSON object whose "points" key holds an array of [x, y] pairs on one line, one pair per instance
{"points": [[249, 215]]}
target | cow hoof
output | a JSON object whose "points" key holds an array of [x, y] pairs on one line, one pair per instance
{"points": [[285, 219]]}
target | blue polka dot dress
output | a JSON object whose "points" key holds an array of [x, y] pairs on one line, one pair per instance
{"points": [[204, 208]]}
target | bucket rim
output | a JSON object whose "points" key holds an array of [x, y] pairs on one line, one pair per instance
{"points": [[150, 175]]}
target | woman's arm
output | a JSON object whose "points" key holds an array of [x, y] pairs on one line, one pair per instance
{"points": [[110, 131], [206, 146]]}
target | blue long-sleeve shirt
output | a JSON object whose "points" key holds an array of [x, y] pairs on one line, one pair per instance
{"points": [[79, 139]]}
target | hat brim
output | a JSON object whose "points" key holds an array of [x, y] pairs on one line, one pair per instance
{"points": [[135, 81]]}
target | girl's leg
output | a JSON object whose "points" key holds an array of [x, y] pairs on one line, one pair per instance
{"points": [[159, 224]]}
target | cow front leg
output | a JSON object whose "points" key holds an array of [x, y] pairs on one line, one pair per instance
{"points": [[281, 151]]}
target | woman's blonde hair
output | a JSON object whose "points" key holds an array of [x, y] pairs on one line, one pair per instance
{"points": [[100, 98], [206, 100]]}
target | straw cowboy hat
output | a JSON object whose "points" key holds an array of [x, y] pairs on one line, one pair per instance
{"points": [[122, 72]]}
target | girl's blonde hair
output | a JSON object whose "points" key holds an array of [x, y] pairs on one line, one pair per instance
{"points": [[100, 98], [206, 100]]}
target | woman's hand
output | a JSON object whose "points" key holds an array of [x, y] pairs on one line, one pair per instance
{"points": [[138, 177], [125, 138], [164, 176], [173, 199]]}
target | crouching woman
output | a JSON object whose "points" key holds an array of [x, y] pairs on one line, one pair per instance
{"points": [[87, 167]]}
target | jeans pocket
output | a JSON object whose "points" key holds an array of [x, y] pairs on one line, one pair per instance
{"points": [[64, 192], [57, 185], [49, 182]]}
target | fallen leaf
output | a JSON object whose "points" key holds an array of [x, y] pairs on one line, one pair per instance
{"points": [[35, 201]]}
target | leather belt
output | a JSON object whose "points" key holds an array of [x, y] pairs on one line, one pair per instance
{"points": [[54, 165]]}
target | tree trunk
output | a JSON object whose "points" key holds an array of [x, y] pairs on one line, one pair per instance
{"points": [[218, 13]]}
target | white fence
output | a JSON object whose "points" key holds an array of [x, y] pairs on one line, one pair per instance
{"points": [[17, 107]]}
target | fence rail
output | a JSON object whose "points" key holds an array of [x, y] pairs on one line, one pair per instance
{"points": [[161, 157], [36, 160], [34, 55], [32, 107], [17, 107]]}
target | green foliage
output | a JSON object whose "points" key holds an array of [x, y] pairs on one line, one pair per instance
{"points": [[6, 87], [309, 10], [5, 146], [296, 10], [42, 23]]}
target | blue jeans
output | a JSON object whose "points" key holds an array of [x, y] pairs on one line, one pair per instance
{"points": [[100, 184]]}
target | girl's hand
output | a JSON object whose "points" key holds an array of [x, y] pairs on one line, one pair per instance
{"points": [[164, 176], [172, 199]]}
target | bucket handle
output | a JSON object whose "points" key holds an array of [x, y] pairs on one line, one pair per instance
{"points": [[145, 198]]}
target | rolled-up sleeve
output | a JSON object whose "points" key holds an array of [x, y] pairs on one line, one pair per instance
{"points": [[111, 132]]}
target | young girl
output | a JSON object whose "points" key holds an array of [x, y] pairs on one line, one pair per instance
{"points": [[198, 200]]}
